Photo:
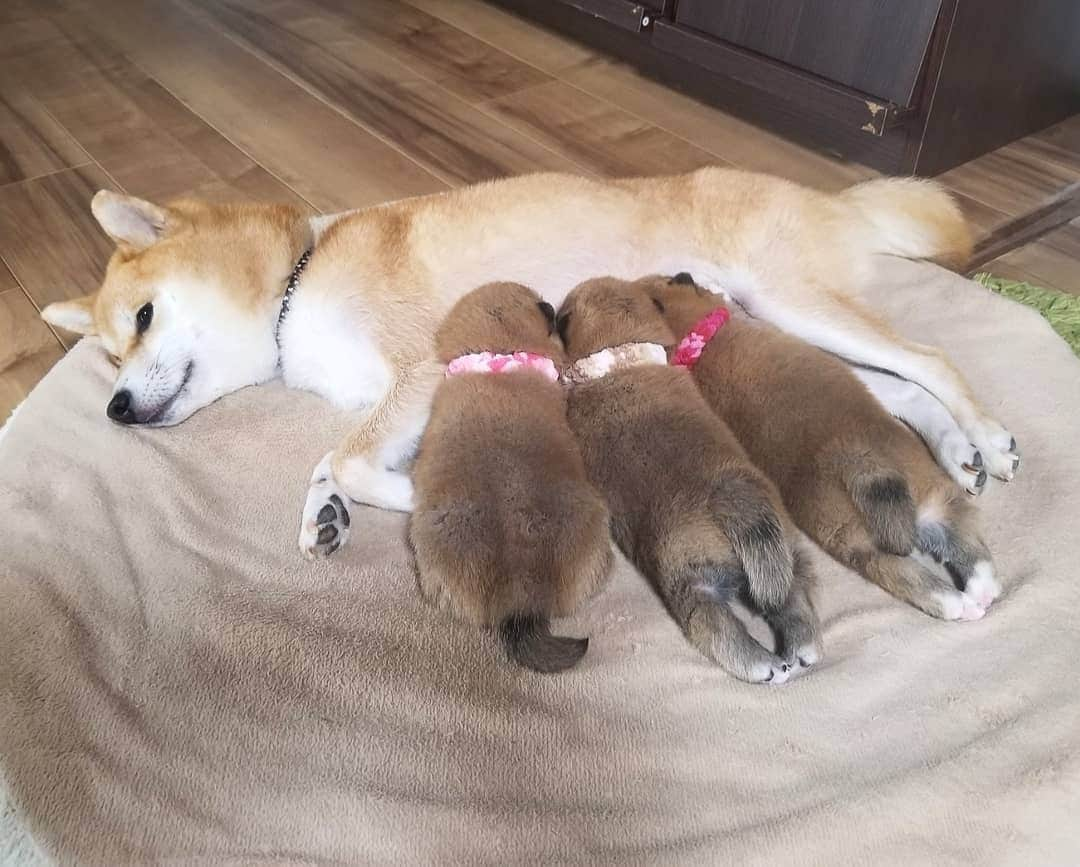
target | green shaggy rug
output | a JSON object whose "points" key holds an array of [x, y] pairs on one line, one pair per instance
{"points": [[1060, 309]]}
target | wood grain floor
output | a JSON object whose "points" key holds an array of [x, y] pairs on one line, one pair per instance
{"points": [[333, 104]]}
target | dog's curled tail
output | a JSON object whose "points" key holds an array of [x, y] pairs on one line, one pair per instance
{"points": [[913, 218], [757, 536], [884, 500], [529, 642]]}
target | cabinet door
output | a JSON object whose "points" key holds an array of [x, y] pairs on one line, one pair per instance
{"points": [[876, 46]]}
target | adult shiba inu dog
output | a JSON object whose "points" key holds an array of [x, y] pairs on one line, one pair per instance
{"points": [[507, 531], [855, 480], [688, 508], [200, 300]]}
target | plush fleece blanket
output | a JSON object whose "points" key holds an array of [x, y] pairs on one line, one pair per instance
{"points": [[178, 684]]}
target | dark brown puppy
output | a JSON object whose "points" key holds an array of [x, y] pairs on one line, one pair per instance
{"points": [[687, 506], [856, 480], [507, 530]]}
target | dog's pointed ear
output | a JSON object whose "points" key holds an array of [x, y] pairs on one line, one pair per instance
{"points": [[130, 222], [549, 314], [683, 278], [76, 316], [562, 325]]}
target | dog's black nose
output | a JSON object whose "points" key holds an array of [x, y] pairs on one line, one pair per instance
{"points": [[119, 408]]}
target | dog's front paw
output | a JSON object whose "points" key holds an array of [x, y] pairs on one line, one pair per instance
{"points": [[325, 525]]}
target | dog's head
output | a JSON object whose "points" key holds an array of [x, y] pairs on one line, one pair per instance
{"points": [[607, 312], [682, 301], [189, 302], [502, 318]]}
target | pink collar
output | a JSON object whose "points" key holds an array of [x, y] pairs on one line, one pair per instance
{"points": [[690, 348], [494, 362]]}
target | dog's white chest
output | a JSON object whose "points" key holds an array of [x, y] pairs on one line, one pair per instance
{"points": [[327, 351]]}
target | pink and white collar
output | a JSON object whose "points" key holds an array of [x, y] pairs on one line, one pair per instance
{"points": [[690, 347], [497, 362], [613, 358]]}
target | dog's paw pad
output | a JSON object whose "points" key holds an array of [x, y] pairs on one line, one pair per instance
{"points": [[976, 484], [325, 525]]}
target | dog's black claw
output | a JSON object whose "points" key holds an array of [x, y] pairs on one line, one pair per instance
{"points": [[326, 515], [327, 534], [803, 663], [770, 677], [333, 548], [977, 460], [340, 506], [785, 667], [1016, 463], [980, 480], [1012, 444]]}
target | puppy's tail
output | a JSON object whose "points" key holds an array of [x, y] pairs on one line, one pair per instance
{"points": [[757, 536], [884, 500], [529, 642], [916, 219]]}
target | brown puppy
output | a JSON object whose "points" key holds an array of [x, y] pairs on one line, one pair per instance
{"points": [[507, 530], [856, 480], [687, 507]]}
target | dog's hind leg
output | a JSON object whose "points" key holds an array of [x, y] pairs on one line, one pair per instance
{"points": [[916, 583], [796, 625], [364, 467], [698, 596], [950, 536], [719, 635], [836, 324]]}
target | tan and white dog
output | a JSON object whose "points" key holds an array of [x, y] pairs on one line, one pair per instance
{"points": [[194, 303]]}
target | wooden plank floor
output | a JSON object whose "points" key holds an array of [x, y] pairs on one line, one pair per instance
{"points": [[332, 104]]}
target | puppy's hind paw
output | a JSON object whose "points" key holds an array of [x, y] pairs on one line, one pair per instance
{"points": [[773, 673], [325, 524]]}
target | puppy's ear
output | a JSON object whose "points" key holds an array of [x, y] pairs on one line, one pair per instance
{"points": [[76, 316], [562, 325], [132, 223], [683, 278], [549, 314]]}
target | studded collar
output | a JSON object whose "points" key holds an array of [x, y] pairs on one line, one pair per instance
{"points": [[290, 288]]}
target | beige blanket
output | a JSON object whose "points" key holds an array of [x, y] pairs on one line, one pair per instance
{"points": [[176, 682]]}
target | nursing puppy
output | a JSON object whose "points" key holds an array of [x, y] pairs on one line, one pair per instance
{"points": [[687, 507], [855, 480], [507, 530]]}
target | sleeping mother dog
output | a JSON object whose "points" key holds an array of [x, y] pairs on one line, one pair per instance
{"points": [[200, 300]]}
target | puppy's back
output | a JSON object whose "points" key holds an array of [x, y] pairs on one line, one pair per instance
{"points": [[507, 531]]}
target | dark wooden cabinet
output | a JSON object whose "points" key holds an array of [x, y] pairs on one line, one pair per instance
{"points": [[875, 46], [906, 86]]}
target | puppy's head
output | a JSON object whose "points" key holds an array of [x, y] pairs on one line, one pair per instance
{"points": [[682, 301], [188, 306], [502, 318], [607, 312]]}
